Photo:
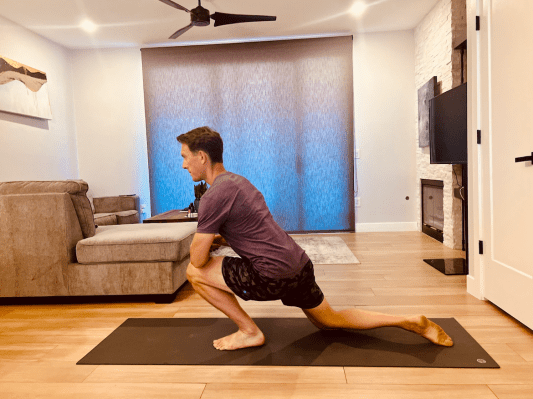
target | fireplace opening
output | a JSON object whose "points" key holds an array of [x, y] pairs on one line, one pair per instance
{"points": [[433, 209]]}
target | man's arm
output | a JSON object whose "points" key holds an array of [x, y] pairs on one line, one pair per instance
{"points": [[200, 248]]}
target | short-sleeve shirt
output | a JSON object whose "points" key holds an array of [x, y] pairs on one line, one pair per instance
{"points": [[234, 208]]}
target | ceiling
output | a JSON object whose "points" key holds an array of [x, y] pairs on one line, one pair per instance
{"points": [[146, 23]]}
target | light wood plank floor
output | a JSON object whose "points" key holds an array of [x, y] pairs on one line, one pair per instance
{"points": [[40, 344]]}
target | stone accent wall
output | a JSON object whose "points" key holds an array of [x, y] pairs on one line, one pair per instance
{"points": [[433, 57], [458, 37]]}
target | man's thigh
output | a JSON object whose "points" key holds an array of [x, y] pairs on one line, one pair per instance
{"points": [[210, 274]]}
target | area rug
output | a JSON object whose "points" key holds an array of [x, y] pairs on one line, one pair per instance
{"points": [[290, 342], [321, 250]]}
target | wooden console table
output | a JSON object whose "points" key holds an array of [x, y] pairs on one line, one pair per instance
{"points": [[173, 216]]}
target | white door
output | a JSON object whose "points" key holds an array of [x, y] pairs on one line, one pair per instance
{"points": [[508, 185]]}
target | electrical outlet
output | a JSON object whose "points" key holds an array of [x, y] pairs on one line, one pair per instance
{"points": [[357, 201], [357, 153], [142, 208]]}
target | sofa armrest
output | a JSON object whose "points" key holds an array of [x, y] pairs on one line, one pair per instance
{"points": [[118, 203], [38, 237]]}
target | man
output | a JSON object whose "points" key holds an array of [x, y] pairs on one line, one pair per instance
{"points": [[272, 266]]}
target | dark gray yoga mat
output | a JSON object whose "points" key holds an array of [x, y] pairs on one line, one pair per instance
{"points": [[290, 342]]}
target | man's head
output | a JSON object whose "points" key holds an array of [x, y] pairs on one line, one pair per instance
{"points": [[200, 148]]}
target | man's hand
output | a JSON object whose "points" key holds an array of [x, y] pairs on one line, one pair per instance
{"points": [[218, 242]]}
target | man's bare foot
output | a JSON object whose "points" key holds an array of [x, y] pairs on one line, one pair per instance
{"points": [[239, 340], [429, 330]]}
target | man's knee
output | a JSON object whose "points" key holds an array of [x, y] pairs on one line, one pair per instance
{"points": [[328, 319], [319, 324], [192, 273], [316, 323]]}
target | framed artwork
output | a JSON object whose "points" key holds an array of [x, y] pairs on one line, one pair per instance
{"points": [[425, 93], [23, 90]]}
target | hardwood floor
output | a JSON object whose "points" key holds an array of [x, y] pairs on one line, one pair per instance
{"points": [[40, 344]]}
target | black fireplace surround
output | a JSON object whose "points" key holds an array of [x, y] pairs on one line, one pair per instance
{"points": [[433, 222], [432, 208]]}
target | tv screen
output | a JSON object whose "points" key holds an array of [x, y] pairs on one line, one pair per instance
{"points": [[448, 127]]}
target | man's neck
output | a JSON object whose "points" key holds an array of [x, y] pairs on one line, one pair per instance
{"points": [[212, 174]]}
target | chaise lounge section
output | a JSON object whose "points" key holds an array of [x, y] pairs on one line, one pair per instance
{"points": [[50, 247]]}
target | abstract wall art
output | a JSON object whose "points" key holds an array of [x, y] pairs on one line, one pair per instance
{"points": [[23, 90], [425, 93]]}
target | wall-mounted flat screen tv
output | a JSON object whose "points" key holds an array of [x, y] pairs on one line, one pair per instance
{"points": [[448, 127]]}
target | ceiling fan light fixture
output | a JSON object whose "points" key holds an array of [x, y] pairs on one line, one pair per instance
{"points": [[358, 8], [88, 26]]}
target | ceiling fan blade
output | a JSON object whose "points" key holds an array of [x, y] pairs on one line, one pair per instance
{"points": [[221, 18], [181, 31], [172, 4]]}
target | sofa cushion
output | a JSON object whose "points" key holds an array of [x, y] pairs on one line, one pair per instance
{"points": [[127, 217], [105, 219], [137, 243], [116, 203], [76, 188], [90, 197]]}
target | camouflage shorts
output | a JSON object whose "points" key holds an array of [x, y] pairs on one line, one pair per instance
{"points": [[300, 291]]}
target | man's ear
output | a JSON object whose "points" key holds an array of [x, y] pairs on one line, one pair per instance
{"points": [[204, 157]]}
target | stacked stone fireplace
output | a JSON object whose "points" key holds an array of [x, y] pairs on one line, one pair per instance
{"points": [[436, 38]]}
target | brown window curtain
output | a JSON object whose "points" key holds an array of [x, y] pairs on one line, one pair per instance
{"points": [[284, 110]]}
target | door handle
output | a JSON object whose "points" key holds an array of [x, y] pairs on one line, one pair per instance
{"points": [[524, 159]]}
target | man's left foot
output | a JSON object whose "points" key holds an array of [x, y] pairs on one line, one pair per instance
{"points": [[239, 340]]}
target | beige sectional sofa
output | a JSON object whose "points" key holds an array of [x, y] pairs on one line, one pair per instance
{"points": [[49, 246]]}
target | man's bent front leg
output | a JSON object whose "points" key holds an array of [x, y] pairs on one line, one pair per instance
{"points": [[209, 283]]}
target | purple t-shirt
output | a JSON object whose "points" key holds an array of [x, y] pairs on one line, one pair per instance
{"points": [[235, 209]]}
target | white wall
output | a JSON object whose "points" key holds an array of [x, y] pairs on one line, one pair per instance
{"points": [[384, 110], [32, 148], [110, 122]]}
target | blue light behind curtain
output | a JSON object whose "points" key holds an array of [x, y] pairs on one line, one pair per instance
{"points": [[284, 110]]}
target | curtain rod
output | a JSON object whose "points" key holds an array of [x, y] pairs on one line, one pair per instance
{"points": [[245, 40]]}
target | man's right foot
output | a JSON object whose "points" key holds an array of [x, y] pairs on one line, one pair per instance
{"points": [[239, 340]]}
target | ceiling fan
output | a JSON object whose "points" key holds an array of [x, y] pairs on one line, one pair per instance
{"points": [[201, 17]]}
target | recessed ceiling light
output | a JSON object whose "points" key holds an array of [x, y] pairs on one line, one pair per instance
{"points": [[358, 8], [88, 26]]}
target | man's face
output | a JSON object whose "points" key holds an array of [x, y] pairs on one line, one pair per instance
{"points": [[193, 163]]}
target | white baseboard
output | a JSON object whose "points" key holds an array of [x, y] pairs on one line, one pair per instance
{"points": [[384, 227]]}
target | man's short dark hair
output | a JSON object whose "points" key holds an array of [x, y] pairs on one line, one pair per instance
{"points": [[204, 139]]}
